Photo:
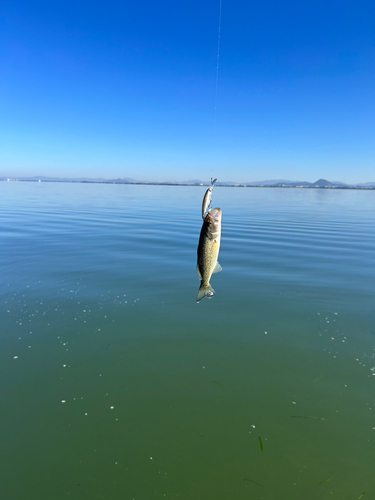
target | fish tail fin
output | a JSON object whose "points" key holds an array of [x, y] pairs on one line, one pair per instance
{"points": [[205, 291]]}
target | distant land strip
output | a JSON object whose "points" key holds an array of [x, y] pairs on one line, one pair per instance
{"points": [[320, 184]]}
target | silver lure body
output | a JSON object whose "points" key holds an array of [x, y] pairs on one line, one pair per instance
{"points": [[207, 199]]}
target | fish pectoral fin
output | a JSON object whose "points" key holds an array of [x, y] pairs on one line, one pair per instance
{"points": [[217, 268], [205, 291], [198, 272]]}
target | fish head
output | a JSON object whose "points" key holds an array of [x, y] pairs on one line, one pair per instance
{"points": [[215, 215], [213, 221]]}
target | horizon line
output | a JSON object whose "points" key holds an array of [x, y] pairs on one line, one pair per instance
{"points": [[196, 183]]}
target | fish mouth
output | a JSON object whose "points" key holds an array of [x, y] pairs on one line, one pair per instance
{"points": [[215, 215]]}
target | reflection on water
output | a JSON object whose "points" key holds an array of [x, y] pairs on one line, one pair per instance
{"points": [[117, 385]]}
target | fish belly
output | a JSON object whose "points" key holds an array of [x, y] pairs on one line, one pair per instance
{"points": [[208, 260]]}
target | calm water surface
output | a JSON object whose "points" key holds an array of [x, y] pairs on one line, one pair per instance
{"points": [[115, 384]]}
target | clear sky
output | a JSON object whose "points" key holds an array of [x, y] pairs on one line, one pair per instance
{"points": [[127, 89]]}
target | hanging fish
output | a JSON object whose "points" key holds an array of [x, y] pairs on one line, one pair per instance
{"points": [[208, 251], [207, 199]]}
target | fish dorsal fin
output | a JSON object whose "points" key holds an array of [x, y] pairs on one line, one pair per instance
{"points": [[217, 268], [198, 273]]}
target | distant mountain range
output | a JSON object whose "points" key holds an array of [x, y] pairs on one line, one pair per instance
{"points": [[36, 178], [321, 183]]}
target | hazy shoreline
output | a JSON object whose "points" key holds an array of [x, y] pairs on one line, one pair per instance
{"points": [[174, 184]]}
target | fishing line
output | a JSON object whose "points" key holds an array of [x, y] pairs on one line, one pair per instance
{"points": [[217, 64]]}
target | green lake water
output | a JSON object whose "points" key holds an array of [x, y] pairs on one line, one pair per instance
{"points": [[115, 384]]}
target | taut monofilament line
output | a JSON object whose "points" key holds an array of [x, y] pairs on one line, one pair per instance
{"points": [[217, 64]]}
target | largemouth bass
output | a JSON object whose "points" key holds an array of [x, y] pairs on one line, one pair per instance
{"points": [[208, 252]]}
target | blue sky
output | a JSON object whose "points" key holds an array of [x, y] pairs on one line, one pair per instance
{"points": [[127, 89]]}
